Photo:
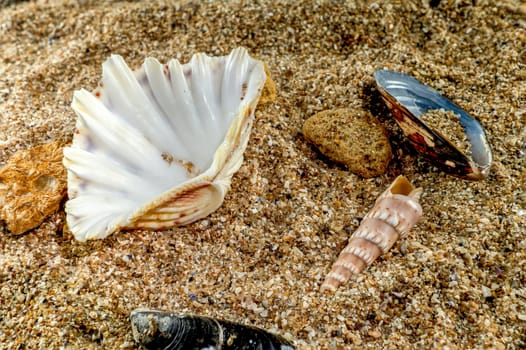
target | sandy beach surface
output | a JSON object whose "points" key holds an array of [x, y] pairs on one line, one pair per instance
{"points": [[458, 281]]}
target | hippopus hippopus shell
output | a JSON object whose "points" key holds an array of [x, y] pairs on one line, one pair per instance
{"points": [[157, 147]]}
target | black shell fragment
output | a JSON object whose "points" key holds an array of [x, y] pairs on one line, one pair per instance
{"points": [[408, 99], [154, 329]]}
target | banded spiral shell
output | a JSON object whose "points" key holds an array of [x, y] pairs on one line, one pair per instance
{"points": [[157, 147], [395, 212], [160, 330]]}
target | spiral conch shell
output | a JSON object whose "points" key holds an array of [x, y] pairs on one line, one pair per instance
{"points": [[157, 147], [395, 212]]}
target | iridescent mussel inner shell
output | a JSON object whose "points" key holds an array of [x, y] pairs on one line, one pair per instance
{"points": [[409, 99]]}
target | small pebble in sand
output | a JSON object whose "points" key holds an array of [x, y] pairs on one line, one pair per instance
{"points": [[447, 123], [351, 137], [32, 184], [374, 333]]}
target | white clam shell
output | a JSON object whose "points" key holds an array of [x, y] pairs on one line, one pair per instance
{"points": [[157, 147]]}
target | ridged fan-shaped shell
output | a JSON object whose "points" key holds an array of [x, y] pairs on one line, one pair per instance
{"points": [[157, 147]]}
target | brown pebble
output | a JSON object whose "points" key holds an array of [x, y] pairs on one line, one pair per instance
{"points": [[351, 137], [33, 184]]}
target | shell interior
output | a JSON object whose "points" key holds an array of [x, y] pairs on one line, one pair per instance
{"points": [[157, 147], [418, 98]]}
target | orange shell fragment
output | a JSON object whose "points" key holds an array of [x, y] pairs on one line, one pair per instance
{"points": [[32, 185]]}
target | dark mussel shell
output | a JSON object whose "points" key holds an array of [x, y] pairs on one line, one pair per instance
{"points": [[154, 329], [408, 99]]}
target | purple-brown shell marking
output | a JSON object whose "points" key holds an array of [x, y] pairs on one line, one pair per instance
{"points": [[395, 212], [408, 99]]}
